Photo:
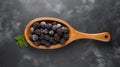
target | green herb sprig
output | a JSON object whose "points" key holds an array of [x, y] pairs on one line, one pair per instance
{"points": [[20, 41]]}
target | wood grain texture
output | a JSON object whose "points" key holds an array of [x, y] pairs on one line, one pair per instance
{"points": [[73, 34]]}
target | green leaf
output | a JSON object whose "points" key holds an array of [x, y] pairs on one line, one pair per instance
{"points": [[20, 41]]}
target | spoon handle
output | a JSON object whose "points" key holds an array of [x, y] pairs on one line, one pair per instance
{"points": [[104, 36]]}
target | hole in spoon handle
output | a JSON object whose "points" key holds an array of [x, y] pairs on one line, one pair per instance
{"points": [[105, 36]]}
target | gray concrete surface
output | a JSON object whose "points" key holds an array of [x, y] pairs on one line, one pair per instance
{"points": [[90, 16]]}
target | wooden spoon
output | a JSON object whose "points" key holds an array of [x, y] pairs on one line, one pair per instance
{"points": [[73, 34]]}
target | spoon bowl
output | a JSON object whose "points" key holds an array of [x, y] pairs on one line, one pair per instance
{"points": [[73, 34]]}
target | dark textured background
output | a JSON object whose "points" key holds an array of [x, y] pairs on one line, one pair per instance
{"points": [[90, 16]]}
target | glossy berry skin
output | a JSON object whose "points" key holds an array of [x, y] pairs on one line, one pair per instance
{"points": [[43, 24], [51, 32], [31, 30], [34, 37], [65, 29], [58, 25], [54, 27]]}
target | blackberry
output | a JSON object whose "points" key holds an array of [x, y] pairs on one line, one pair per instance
{"points": [[58, 25], [37, 43], [34, 37], [43, 24], [56, 37], [49, 26], [41, 36], [65, 29], [43, 42], [66, 36], [54, 27], [51, 32], [36, 25], [47, 44], [54, 23], [59, 32], [46, 37], [31, 30], [51, 39], [45, 31], [62, 41], [37, 31]]}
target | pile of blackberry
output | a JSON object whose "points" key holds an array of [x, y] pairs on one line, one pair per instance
{"points": [[48, 33]]}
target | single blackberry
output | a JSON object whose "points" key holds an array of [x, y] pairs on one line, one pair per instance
{"points": [[36, 25], [56, 37], [43, 24], [43, 42], [51, 39], [46, 43], [51, 32], [66, 36], [62, 41], [59, 32], [46, 37], [41, 36], [65, 29], [49, 26], [31, 30], [45, 31], [34, 37], [54, 27], [37, 43], [37, 31]]}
